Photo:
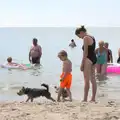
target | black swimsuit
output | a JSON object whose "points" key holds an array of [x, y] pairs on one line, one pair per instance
{"points": [[91, 52]]}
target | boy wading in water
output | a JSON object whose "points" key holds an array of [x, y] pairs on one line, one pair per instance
{"points": [[66, 76]]}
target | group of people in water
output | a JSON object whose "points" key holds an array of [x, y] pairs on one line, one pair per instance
{"points": [[93, 58]]}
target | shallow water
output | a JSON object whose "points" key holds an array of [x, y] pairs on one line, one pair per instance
{"points": [[52, 41]]}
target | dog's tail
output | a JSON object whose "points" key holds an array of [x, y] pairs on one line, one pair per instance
{"points": [[46, 86]]}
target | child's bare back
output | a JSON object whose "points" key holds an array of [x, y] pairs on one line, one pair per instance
{"points": [[67, 66]]}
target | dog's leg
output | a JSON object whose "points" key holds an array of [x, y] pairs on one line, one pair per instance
{"points": [[50, 98], [31, 99], [28, 99]]}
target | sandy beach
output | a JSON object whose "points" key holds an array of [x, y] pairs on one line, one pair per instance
{"points": [[59, 111]]}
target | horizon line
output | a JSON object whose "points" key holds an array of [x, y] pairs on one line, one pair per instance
{"points": [[9, 26]]}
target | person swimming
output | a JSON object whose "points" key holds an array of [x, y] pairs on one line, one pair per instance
{"points": [[72, 44], [11, 63]]}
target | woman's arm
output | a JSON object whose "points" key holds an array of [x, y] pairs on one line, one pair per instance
{"points": [[119, 52]]}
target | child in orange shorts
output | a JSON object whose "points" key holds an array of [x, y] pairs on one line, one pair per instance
{"points": [[66, 76]]}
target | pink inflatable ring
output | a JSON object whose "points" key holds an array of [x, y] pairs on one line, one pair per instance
{"points": [[113, 69]]}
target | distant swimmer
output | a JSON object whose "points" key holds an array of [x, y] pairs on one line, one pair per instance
{"points": [[72, 44], [109, 55], [118, 60], [35, 52]]}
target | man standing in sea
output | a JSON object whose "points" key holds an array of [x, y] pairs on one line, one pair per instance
{"points": [[35, 52]]}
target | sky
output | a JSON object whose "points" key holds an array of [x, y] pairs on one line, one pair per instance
{"points": [[60, 13]]}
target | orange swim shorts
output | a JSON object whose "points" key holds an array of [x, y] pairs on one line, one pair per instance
{"points": [[66, 83]]}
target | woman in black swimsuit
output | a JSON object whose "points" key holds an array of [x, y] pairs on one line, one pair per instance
{"points": [[88, 62]]}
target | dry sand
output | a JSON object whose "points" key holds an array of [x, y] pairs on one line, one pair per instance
{"points": [[59, 111]]}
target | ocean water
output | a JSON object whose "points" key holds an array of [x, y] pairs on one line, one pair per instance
{"points": [[16, 42]]}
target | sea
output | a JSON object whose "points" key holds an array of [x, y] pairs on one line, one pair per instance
{"points": [[16, 42]]}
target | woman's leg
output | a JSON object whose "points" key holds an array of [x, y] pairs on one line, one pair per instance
{"points": [[93, 81], [106, 68], [98, 68], [87, 69], [103, 71]]}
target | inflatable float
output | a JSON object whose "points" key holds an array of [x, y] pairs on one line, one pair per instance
{"points": [[113, 68], [21, 66]]}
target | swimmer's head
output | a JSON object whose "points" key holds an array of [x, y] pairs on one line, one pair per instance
{"points": [[106, 44], [9, 59], [80, 32], [72, 40], [62, 55], [101, 43], [35, 41]]}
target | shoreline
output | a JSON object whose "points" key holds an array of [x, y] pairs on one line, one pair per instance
{"points": [[75, 110]]}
